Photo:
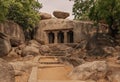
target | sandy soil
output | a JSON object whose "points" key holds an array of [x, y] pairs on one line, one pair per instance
{"points": [[55, 72], [23, 78]]}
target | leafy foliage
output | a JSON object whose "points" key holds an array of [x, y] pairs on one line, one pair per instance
{"points": [[81, 9], [99, 10], [4, 5], [24, 12]]}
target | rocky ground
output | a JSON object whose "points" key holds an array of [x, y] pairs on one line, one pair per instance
{"points": [[101, 68], [97, 59]]}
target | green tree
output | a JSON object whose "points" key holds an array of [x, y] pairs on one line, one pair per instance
{"points": [[4, 5], [99, 10], [81, 9], [24, 12]]}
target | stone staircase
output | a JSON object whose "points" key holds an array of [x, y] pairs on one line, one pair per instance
{"points": [[60, 81], [58, 53], [48, 63], [42, 64]]}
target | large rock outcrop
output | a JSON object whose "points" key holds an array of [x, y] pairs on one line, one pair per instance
{"points": [[115, 77], [96, 43], [51, 24], [61, 14], [7, 73], [5, 46], [31, 49], [91, 70], [45, 16], [81, 30], [21, 66], [14, 31]]}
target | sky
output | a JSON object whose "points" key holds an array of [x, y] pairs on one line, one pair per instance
{"points": [[62, 5]]}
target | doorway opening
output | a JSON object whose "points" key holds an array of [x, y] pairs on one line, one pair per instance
{"points": [[60, 37], [70, 38], [51, 37]]}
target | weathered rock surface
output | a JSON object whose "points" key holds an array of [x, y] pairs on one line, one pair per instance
{"points": [[21, 66], [60, 47], [90, 70], [61, 14], [7, 73], [44, 49], [31, 49], [15, 42], [34, 43], [115, 77], [5, 46], [81, 29], [73, 61], [12, 54], [45, 16], [96, 43], [14, 31], [51, 24], [19, 49]]}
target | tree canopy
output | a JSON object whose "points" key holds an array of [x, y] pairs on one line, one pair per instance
{"points": [[4, 5], [23, 12], [99, 10], [81, 9]]}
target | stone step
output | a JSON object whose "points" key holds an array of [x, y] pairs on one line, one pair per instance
{"points": [[48, 65], [55, 56], [60, 81]]}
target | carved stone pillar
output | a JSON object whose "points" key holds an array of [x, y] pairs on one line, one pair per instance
{"points": [[56, 38], [65, 36], [47, 38]]}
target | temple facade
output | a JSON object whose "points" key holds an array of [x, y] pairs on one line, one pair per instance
{"points": [[64, 31]]}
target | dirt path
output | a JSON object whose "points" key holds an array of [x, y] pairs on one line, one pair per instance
{"points": [[53, 71]]}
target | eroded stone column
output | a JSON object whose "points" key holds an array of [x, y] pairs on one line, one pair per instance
{"points": [[65, 36], [47, 38], [56, 38]]}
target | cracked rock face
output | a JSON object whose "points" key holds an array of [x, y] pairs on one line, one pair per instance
{"points": [[14, 31], [5, 46], [61, 14], [45, 16], [7, 73], [90, 70]]}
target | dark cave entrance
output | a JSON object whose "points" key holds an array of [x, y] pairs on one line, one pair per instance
{"points": [[51, 37], [70, 38], [60, 37]]}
